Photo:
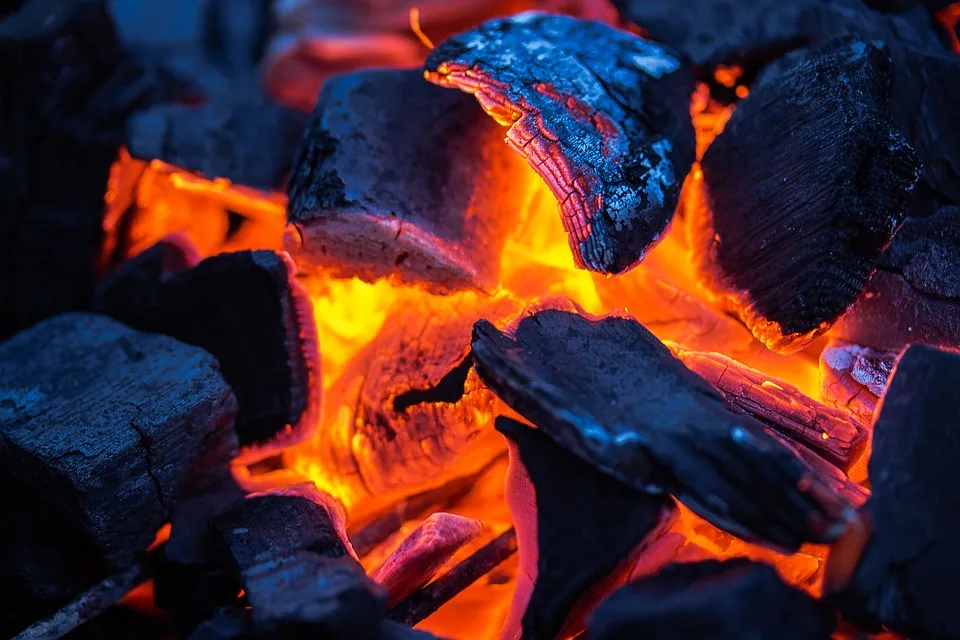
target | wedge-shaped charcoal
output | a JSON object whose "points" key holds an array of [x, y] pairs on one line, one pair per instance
{"points": [[246, 309], [915, 294], [610, 392], [906, 576], [246, 139], [787, 235], [854, 377], [421, 554], [409, 413], [601, 115], [67, 89], [576, 529], [102, 431], [829, 432], [399, 178], [712, 600]]}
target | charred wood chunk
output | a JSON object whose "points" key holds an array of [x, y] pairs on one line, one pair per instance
{"points": [[102, 431], [906, 576], [712, 600], [399, 178], [787, 235], [409, 412], [601, 115], [246, 139], [421, 554], [915, 294], [576, 529], [829, 432], [67, 89], [246, 309], [611, 393], [854, 377]]}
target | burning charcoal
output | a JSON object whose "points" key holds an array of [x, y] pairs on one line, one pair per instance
{"points": [[244, 138], [712, 600], [610, 392], [614, 152], [399, 178], [426, 601], [408, 412], [915, 294], [67, 89], [829, 432], [102, 431], [247, 309], [421, 554], [787, 235], [562, 563], [854, 377], [905, 578]]}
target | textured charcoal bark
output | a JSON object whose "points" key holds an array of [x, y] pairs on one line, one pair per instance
{"points": [[712, 600], [610, 392], [102, 431], [246, 309], [408, 413], [905, 579], [787, 235], [244, 138], [577, 530], [67, 89], [601, 115], [854, 378], [915, 294], [423, 553], [399, 178], [829, 432]]}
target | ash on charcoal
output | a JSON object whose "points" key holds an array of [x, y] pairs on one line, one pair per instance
{"points": [[244, 138], [831, 433], [712, 600], [577, 529], [915, 294], [407, 413], [247, 310], [610, 392], [67, 89], [905, 579], [601, 115], [423, 553], [853, 378], [102, 431], [787, 235], [399, 178]]}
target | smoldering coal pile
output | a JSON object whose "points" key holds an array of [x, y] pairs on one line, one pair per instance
{"points": [[584, 321]]}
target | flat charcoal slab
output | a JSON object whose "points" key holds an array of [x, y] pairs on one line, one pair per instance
{"points": [[915, 294], [244, 138], [67, 89], [830, 432], [611, 393], [906, 576], [399, 178], [601, 115], [576, 528], [787, 235], [102, 430], [712, 600], [246, 309]]}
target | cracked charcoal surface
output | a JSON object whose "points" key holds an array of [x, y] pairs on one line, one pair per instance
{"points": [[906, 577], [611, 393], [838, 185], [601, 115], [397, 177], [854, 378], [102, 429]]}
